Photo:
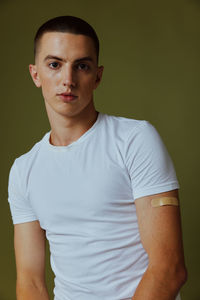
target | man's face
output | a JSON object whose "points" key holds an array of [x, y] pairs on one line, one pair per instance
{"points": [[66, 63]]}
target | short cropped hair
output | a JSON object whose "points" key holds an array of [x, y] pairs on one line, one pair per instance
{"points": [[68, 24]]}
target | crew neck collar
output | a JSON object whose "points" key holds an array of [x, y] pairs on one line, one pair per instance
{"points": [[76, 142]]}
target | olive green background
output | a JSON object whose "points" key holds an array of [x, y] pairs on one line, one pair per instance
{"points": [[150, 51]]}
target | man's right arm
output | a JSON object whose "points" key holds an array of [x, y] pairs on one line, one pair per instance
{"points": [[29, 245]]}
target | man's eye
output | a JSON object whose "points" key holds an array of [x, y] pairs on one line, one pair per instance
{"points": [[83, 66], [54, 65]]}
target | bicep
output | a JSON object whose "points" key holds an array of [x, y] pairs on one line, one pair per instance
{"points": [[29, 245], [160, 230]]}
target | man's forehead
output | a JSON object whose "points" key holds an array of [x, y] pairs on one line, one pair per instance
{"points": [[65, 38], [61, 45]]}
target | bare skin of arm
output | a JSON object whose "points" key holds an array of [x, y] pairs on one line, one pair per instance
{"points": [[161, 236], [29, 245]]}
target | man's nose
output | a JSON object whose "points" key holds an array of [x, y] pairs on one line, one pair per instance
{"points": [[68, 76]]}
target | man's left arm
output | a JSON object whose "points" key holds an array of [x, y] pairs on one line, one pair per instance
{"points": [[161, 236]]}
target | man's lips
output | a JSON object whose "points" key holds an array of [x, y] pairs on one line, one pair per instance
{"points": [[67, 97]]}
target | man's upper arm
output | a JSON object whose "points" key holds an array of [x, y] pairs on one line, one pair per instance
{"points": [[29, 245], [160, 231]]}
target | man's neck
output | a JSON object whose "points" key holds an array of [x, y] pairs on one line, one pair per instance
{"points": [[64, 133]]}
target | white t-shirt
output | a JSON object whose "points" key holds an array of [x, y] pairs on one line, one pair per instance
{"points": [[83, 196]]}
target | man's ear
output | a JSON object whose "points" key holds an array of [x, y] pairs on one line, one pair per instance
{"points": [[99, 76], [34, 75]]}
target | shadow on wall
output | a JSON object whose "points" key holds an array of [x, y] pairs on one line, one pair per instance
{"points": [[196, 2]]}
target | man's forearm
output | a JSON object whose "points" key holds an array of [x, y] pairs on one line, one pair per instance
{"points": [[31, 292], [159, 285]]}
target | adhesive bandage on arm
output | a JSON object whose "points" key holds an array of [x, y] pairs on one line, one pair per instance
{"points": [[156, 202]]}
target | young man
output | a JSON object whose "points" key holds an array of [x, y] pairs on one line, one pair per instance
{"points": [[102, 189]]}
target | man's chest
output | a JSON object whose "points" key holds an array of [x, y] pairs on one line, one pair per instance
{"points": [[70, 190]]}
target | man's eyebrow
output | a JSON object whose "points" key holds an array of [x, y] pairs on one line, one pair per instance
{"points": [[88, 58]]}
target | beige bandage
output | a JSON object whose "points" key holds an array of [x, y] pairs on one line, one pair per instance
{"points": [[156, 202]]}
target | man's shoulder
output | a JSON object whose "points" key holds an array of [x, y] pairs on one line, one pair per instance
{"points": [[125, 125], [28, 157]]}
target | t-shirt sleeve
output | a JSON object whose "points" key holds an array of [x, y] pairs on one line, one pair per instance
{"points": [[148, 162], [20, 208]]}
